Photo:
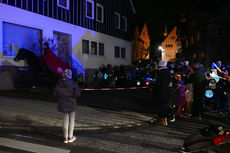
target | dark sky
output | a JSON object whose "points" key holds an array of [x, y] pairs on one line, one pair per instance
{"points": [[158, 13]]}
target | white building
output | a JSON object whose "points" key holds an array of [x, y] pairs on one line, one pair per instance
{"points": [[87, 33]]}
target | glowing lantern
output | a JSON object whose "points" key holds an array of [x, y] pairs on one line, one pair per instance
{"points": [[105, 76], [209, 93], [138, 83]]}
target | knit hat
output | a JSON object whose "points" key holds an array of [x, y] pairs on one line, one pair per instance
{"points": [[162, 63], [67, 73], [180, 82]]}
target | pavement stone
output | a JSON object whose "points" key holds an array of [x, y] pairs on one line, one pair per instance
{"points": [[36, 113]]}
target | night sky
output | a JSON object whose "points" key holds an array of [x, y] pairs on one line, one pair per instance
{"points": [[157, 13]]}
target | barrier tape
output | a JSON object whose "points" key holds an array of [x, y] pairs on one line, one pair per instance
{"points": [[130, 88]]}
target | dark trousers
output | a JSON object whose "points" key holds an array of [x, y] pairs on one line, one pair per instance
{"points": [[163, 111], [197, 105]]}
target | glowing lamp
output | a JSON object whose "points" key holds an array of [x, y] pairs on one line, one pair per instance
{"points": [[146, 83], [105, 76], [148, 79], [209, 93], [138, 83]]}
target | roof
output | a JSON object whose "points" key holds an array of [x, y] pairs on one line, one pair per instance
{"points": [[133, 8]]}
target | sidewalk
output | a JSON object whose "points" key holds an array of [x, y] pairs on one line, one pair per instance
{"points": [[23, 113]]}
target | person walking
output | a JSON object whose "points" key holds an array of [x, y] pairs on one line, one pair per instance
{"points": [[67, 92]]}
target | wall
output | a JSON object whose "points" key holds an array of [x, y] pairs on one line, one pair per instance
{"points": [[48, 26]]}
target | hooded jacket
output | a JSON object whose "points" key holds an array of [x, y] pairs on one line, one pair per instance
{"points": [[67, 91]]}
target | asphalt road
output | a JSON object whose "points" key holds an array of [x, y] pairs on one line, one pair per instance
{"points": [[143, 138]]}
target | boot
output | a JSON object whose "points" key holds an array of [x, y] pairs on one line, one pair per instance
{"points": [[164, 121], [180, 111]]}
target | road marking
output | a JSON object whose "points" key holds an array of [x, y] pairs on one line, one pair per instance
{"points": [[30, 146]]}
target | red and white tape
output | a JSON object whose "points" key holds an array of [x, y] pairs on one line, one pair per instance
{"points": [[131, 88]]}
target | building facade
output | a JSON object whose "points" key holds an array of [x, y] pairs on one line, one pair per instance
{"points": [[84, 33], [204, 36], [169, 47], [141, 44]]}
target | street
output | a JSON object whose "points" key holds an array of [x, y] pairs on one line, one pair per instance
{"points": [[106, 122]]}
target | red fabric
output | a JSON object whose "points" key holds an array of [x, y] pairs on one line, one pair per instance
{"points": [[218, 140], [54, 63]]}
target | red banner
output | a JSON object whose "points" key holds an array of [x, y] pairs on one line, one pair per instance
{"points": [[54, 63]]}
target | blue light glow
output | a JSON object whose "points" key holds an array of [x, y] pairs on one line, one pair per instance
{"points": [[148, 79], [209, 93], [105, 76]]}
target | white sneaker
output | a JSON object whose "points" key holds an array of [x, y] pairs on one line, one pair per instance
{"points": [[72, 139], [66, 140]]}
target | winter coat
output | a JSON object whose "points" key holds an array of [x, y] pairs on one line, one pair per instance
{"points": [[162, 85], [180, 95], [67, 91]]}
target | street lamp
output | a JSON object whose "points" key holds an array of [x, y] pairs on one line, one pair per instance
{"points": [[160, 48]]}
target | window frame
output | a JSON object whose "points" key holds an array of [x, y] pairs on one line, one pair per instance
{"points": [[86, 9], [93, 42], [82, 46], [125, 19], [115, 52], [119, 20], [124, 52], [67, 5], [99, 53], [102, 13]]}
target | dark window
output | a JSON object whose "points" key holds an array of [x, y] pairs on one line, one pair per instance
{"points": [[89, 9], [117, 51], [85, 46], [124, 23], [100, 13], [62, 3], [93, 48], [101, 49], [117, 20], [123, 53]]}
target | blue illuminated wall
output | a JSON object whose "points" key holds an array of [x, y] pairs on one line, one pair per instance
{"points": [[16, 37]]}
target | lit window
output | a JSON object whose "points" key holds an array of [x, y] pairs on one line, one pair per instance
{"points": [[90, 9], [63, 4], [85, 46], [16, 37], [124, 23], [100, 13], [101, 49], [117, 52], [123, 54], [93, 48], [117, 20]]}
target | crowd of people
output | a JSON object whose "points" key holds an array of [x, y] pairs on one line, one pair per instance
{"points": [[184, 89], [179, 87]]}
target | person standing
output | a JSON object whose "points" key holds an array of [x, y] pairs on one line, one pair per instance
{"points": [[67, 92], [198, 80], [163, 91], [180, 97]]}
